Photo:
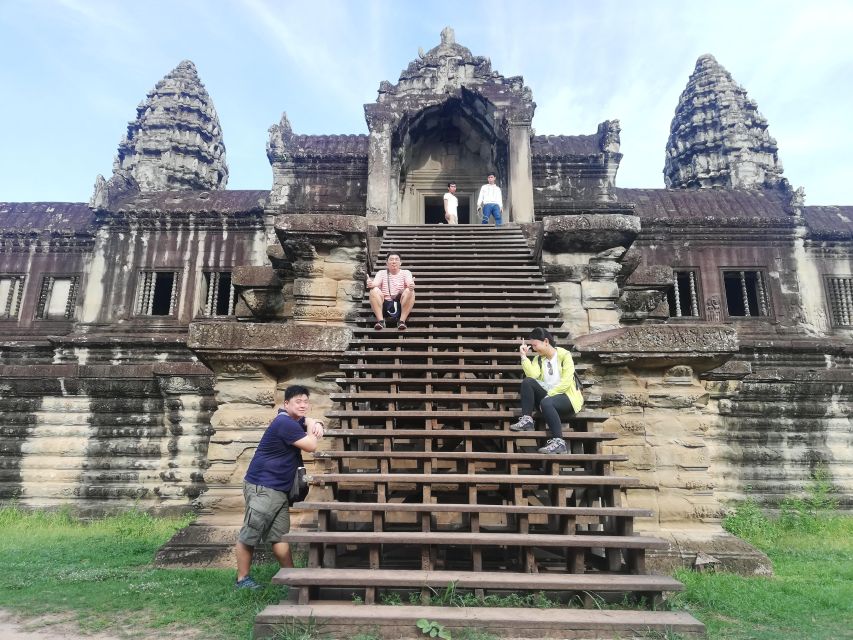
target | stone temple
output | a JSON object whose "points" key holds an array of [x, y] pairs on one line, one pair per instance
{"points": [[148, 333]]}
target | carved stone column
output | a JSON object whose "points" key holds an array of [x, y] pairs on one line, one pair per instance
{"points": [[379, 166], [520, 196]]}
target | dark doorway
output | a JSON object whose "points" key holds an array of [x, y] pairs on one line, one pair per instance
{"points": [[434, 209]]}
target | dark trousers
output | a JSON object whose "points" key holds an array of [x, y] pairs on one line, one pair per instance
{"points": [[554, 409]]}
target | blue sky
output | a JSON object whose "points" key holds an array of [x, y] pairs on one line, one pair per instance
{"points": [[74, 70]]}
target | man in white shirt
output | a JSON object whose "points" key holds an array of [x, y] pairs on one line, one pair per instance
{"points": [[451, 204], [490, 201]]}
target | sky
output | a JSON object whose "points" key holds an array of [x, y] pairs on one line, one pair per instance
{"points": [[73, 72]]}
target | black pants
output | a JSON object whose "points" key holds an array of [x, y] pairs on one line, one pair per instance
{"points": [[555, 409]]}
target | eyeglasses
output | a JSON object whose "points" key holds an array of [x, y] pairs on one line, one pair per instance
{"points": [[550, 368]]}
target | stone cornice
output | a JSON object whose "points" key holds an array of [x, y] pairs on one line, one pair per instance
{"points": [[589, 232], [703, 346]]}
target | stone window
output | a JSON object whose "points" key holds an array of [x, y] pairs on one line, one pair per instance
{"points": [[11, 292], [157, 293], [217, 294], [683, 295], [839, 293], [747, 294], [57, 297]]}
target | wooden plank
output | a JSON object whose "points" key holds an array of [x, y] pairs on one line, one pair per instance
{"points": [[468, 539], [465, 433], [475, 478], [475, 579], [472, 455], [616, 512]]}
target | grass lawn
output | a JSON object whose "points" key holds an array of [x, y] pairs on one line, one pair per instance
{"points": [[809, 597], [102, 572]]}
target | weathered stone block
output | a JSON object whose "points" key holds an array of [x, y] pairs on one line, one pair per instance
{"points": [[256, 277], [598, 290], [589, 232], [263, 303], [568, 294], [603, 319], [315, 290], [343, 270]]}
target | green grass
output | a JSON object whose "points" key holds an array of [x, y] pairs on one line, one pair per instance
{"points": [[101, 570], [810, 595]]}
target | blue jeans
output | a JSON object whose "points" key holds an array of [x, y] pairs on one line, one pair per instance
{"points": [[493, 210]]}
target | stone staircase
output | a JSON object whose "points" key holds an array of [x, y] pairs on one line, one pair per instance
{"points": [[434, 502]]}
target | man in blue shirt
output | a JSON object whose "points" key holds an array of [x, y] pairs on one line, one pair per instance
{"points": [[269, 478]]}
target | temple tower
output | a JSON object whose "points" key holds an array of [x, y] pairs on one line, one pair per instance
{"points": [[717, 137], [449, 117], [175, 143]]}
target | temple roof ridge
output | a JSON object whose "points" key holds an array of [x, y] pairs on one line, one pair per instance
{"points": [[718, 138]]}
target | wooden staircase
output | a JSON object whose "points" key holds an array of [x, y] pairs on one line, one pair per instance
{"points": [[433, 495]]}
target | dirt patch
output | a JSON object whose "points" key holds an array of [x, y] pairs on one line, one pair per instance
{"points": [[65, 626]]}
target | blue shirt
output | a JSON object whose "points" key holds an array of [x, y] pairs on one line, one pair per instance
{"points": [[276, 459]]}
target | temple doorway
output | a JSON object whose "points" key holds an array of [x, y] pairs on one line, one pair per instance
{"points": [[434, 209], [454, 141]]}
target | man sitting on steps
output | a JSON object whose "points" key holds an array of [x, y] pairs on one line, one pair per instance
{"points": [[390, 286], [549, 382]]}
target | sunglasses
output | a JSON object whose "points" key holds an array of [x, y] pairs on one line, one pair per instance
{"points": [[550, 368]]}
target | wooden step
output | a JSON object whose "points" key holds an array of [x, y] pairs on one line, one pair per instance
{"points": [[438, 368], [460, 414], [429, 538], [462, 332], [478, 456], [433, 507], [345, 620], [466, 433], [408, 579], [382, 340], [402, 352], [424, 397], [324, 479]]}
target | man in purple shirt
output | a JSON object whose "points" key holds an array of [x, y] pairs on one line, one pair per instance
{"points": [[269, 478]]}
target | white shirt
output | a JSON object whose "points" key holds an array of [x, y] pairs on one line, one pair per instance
{"points": [[490, 194], [451, 203], [552, 374]]}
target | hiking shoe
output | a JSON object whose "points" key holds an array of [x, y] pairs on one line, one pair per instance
{"points": [[555, 445], [247, 583], [525, 423]]}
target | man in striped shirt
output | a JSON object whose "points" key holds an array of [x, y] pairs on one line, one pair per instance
{"points": [[490, 201], [392, 285]]}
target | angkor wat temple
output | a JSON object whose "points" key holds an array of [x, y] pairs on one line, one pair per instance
{"points": [[148, 332]]}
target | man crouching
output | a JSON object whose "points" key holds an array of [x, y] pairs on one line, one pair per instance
{"points": [[270, 477]]}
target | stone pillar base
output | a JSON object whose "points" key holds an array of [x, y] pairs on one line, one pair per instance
{"points": [[730, 552]]}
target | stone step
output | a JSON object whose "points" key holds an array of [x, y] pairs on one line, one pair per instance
{"points": [[345, 620]]}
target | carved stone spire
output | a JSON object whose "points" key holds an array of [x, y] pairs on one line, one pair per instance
{"points": [[717, 137], [175, 141]]}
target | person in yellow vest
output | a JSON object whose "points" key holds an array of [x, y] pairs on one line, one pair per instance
{"points": [[550, 382]]}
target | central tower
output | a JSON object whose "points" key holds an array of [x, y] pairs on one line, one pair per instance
{"points": [[448, 118]]}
